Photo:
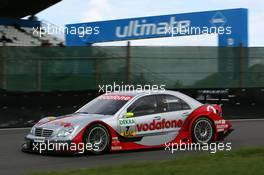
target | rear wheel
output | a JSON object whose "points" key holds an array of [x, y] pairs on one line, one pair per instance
{"points": [[98, 138], [202, 131]]}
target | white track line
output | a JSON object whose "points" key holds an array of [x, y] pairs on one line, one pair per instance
{"points": [[233, 120], [245, 120], [14, 129]]}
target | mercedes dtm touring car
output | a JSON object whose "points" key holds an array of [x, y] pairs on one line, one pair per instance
{"points": [[129, 121]]}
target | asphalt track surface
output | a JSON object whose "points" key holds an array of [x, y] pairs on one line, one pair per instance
{"points": [[248, 133]]}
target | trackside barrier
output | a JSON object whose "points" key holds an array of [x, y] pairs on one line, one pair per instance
{"points": [[20, 109]]}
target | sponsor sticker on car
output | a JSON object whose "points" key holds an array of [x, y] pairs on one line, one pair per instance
{"points": [[157, 125], [127, 122], [39, 139], [115, 97], [127, 127], [220, 125]]}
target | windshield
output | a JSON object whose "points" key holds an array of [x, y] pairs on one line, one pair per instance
{"points": [[105, 105]]}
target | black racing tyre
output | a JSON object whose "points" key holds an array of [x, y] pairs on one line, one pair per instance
{"points": [[202, 131], [98, 137]]}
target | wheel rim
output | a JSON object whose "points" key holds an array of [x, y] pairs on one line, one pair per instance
{"points": [[98, 138], [203, 131]]}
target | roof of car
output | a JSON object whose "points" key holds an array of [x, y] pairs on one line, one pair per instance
{"points": [[143, 92], [191, 101]]}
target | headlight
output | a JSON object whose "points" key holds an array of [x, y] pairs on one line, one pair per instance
{"points": [[32, 131], [65, 131]]}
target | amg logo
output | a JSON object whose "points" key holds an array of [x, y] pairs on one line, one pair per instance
{"points": [[154, 125], [137, 28]]}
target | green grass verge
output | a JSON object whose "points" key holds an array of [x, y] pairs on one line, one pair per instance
{"points": [[240, 162]]}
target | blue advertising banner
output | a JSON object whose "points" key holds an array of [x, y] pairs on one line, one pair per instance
{"points": [[231, 25]]}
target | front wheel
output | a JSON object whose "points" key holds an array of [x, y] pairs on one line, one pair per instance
{"points": [[202, 131], [98, 137]]}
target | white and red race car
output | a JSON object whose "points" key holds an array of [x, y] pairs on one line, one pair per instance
{"points": [[129, 121]]}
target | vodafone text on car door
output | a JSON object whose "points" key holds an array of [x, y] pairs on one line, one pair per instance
{"points": [[174, 112]]}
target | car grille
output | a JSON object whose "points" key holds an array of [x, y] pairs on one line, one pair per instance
{"points": [[40, 132]]}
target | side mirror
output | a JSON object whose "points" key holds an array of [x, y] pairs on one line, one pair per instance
{"points": [[129, 114]]}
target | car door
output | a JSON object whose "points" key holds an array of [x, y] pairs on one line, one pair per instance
{"points": [[144, 120], [146, 115], [174, 110]]}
